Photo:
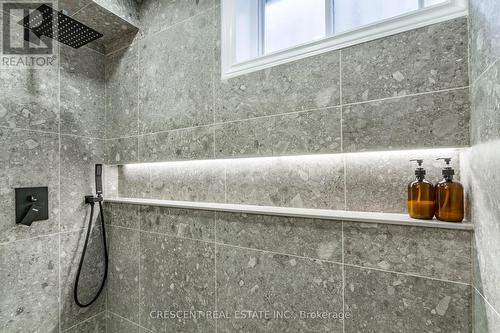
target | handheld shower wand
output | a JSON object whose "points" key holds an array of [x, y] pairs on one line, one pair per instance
{"points": [[91, 200]]}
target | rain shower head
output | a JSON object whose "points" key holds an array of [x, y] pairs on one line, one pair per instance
{"points": [[47, 22]]}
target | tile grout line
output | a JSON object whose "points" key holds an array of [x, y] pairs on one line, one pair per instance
{"points": [[140, 267], [215, 272], [486, 300], [59, 192], [341, 106], [138, 112], [217, 243], [343, 279], [483, 73], [130, 321], [84, 321]]}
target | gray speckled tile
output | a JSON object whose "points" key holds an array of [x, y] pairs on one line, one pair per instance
{"points": [[388, 302], [27, 159], [122, 93], [425, 121], [29, 288], [433, 58], [176, 73], [92, 270], [486, 216], [485, 113], [123, 150], [254, 137], [484, 34], [385, 177], [95, 324], [134, 181], [176, 275], [429, 252], [188, 181], [116, 324], [123, 283], [486, 319], [125, 9], [311, 238], [82, 92], [305, 84], [258, 281], [72, 6], [296, 133], [29, 99], [122, 215], [78, 158], [104, 21], [186, 223], [159, 15], [182, 144], [306, 182]]}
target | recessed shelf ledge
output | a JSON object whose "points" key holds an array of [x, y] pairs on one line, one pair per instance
{"points": [[324, 214]]}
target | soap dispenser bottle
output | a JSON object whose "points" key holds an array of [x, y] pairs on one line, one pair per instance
{"points": [[449, 196], [421, 195]]}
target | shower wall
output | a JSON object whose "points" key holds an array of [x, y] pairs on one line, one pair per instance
{"points": [[484, 160], [51, 134], [166, 102]]}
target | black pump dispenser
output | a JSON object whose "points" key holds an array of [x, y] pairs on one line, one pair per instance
{"points": [[419, 171], [448, 171]]}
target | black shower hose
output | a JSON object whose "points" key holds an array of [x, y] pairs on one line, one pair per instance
{"points": [[103, 232]]}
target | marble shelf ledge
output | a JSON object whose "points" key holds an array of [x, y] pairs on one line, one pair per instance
{"points": [[324, 214]]}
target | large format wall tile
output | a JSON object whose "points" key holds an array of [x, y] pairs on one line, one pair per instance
{"points": [[185, 223], [484, 34], [425, 121], [188, 181], [125, 9], [29, 99], [82, 92], [486, 319], [388, 302], [172, 12], [435, 253], [307, 84], [27, 159], [122, 150], [433, 58], [96, 324], [485, 114], [311, 132], [378, 182], [176, 275], [182, 144], [123, 278], [134, 181], [318, 239], [250, 280], [71, 247], [121, 215], [122, 93], [176, 73], [308, 182], [116, 324], [78, 158], [29, 288]]}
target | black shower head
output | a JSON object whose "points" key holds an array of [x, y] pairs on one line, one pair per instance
{"points": [[47, 22]]}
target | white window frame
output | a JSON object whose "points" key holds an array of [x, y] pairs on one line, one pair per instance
{"points": [[412, 20]]}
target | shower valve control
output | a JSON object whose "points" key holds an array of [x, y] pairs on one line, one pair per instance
{"points": [[32, 204]]}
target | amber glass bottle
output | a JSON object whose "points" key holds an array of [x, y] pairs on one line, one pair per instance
{"points": [[421, 195], [449, 196]]}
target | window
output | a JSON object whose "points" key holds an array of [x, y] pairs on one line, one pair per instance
{"points": [[261, 33]]}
